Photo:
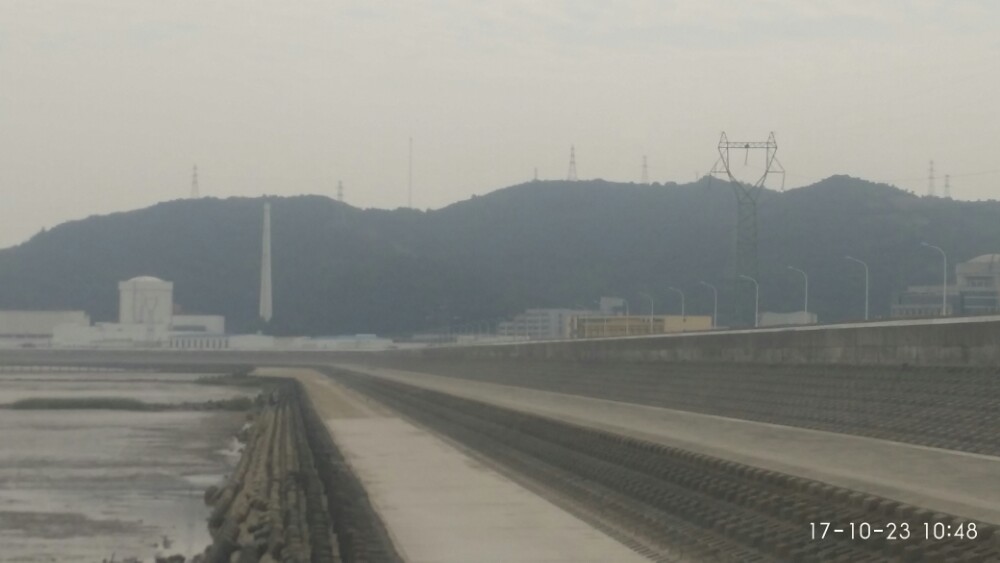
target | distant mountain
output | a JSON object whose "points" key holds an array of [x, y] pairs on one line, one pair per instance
{"points": [[339, 269]]}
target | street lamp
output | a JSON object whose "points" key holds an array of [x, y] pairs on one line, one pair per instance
{"points": [[648, 296], [944, 281], [628, 318], [865, 264], [805, 308], [681, 293], [715, 302], [756, 299]]}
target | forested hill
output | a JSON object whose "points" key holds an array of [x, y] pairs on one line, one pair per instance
{"points": [[339, 269]]}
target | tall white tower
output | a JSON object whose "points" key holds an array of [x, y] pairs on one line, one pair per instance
{"points": [[265, 267]]}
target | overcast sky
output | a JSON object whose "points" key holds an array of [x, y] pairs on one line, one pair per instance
{"points": [[106, 105]]}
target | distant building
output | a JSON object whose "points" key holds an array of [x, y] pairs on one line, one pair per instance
{"points": [[211, 324], [975, 291], [635, 325], [978, 282], [35, 328], [145, 300], [610, 306], [541, 324], [146, 318], [768, 318]]}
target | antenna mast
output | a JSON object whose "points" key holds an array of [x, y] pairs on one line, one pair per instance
{"points": [[645, 170], [195, 193], [571, 176], [409, 178], [340, 191]]}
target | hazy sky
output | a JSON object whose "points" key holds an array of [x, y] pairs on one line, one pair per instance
{"points": [[105, 105]]}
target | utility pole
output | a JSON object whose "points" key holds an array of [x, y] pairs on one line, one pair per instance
{"points": [[340, 191], [805, 308], [756, 299], [944, 281], [715, 303]]}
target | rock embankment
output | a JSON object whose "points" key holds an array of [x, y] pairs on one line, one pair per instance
{"points": [[273, 507], [291, 497]]}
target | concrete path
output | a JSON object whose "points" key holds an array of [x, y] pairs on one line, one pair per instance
{"points": [[959, 483], [439, 504]]}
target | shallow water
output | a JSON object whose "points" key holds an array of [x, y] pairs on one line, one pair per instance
{"points": [[81, 485], [149, 387]]}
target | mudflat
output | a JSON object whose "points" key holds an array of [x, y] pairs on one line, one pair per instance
{"points": [[83, 485]]}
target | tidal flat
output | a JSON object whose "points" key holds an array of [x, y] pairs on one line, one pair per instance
{"points": [[89, 484]]}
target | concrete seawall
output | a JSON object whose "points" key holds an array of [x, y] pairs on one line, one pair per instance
{"points": [[946, 342]]}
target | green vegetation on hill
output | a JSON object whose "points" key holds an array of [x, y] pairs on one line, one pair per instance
{"points": [[339, 269]]}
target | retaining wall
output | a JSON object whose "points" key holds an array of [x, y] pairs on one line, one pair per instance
{"points": [[973, 341]]}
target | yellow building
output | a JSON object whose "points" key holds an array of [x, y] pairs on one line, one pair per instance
{"points": [[604, 327]]}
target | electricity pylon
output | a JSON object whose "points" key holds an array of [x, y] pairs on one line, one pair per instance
{"points": [[744, 260]]}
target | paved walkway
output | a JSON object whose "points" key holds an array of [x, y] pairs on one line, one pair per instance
{"points": [[959, 483], [439, 504]]}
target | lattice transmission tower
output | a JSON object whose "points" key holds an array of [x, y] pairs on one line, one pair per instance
{"points": [[744, 261], [571, 175]]}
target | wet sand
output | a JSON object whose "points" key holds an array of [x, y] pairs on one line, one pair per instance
{"points": [[81, 485]]}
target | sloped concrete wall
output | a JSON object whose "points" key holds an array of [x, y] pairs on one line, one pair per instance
{"points": [[952, 342]]}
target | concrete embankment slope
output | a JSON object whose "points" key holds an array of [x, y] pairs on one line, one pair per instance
{"points": [[947, 481], [438, 503]]}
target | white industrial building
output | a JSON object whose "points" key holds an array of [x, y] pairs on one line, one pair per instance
{"points": [[768, 318], [35, 328], [145, 300], [541, 324], [146, 318]]}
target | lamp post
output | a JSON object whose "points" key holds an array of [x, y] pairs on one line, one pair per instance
{"points": [[944, 281], [628, 318], [756, 299], [715, 302], [681, 293], [648, 296], [865, 264], [805, 308]]}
